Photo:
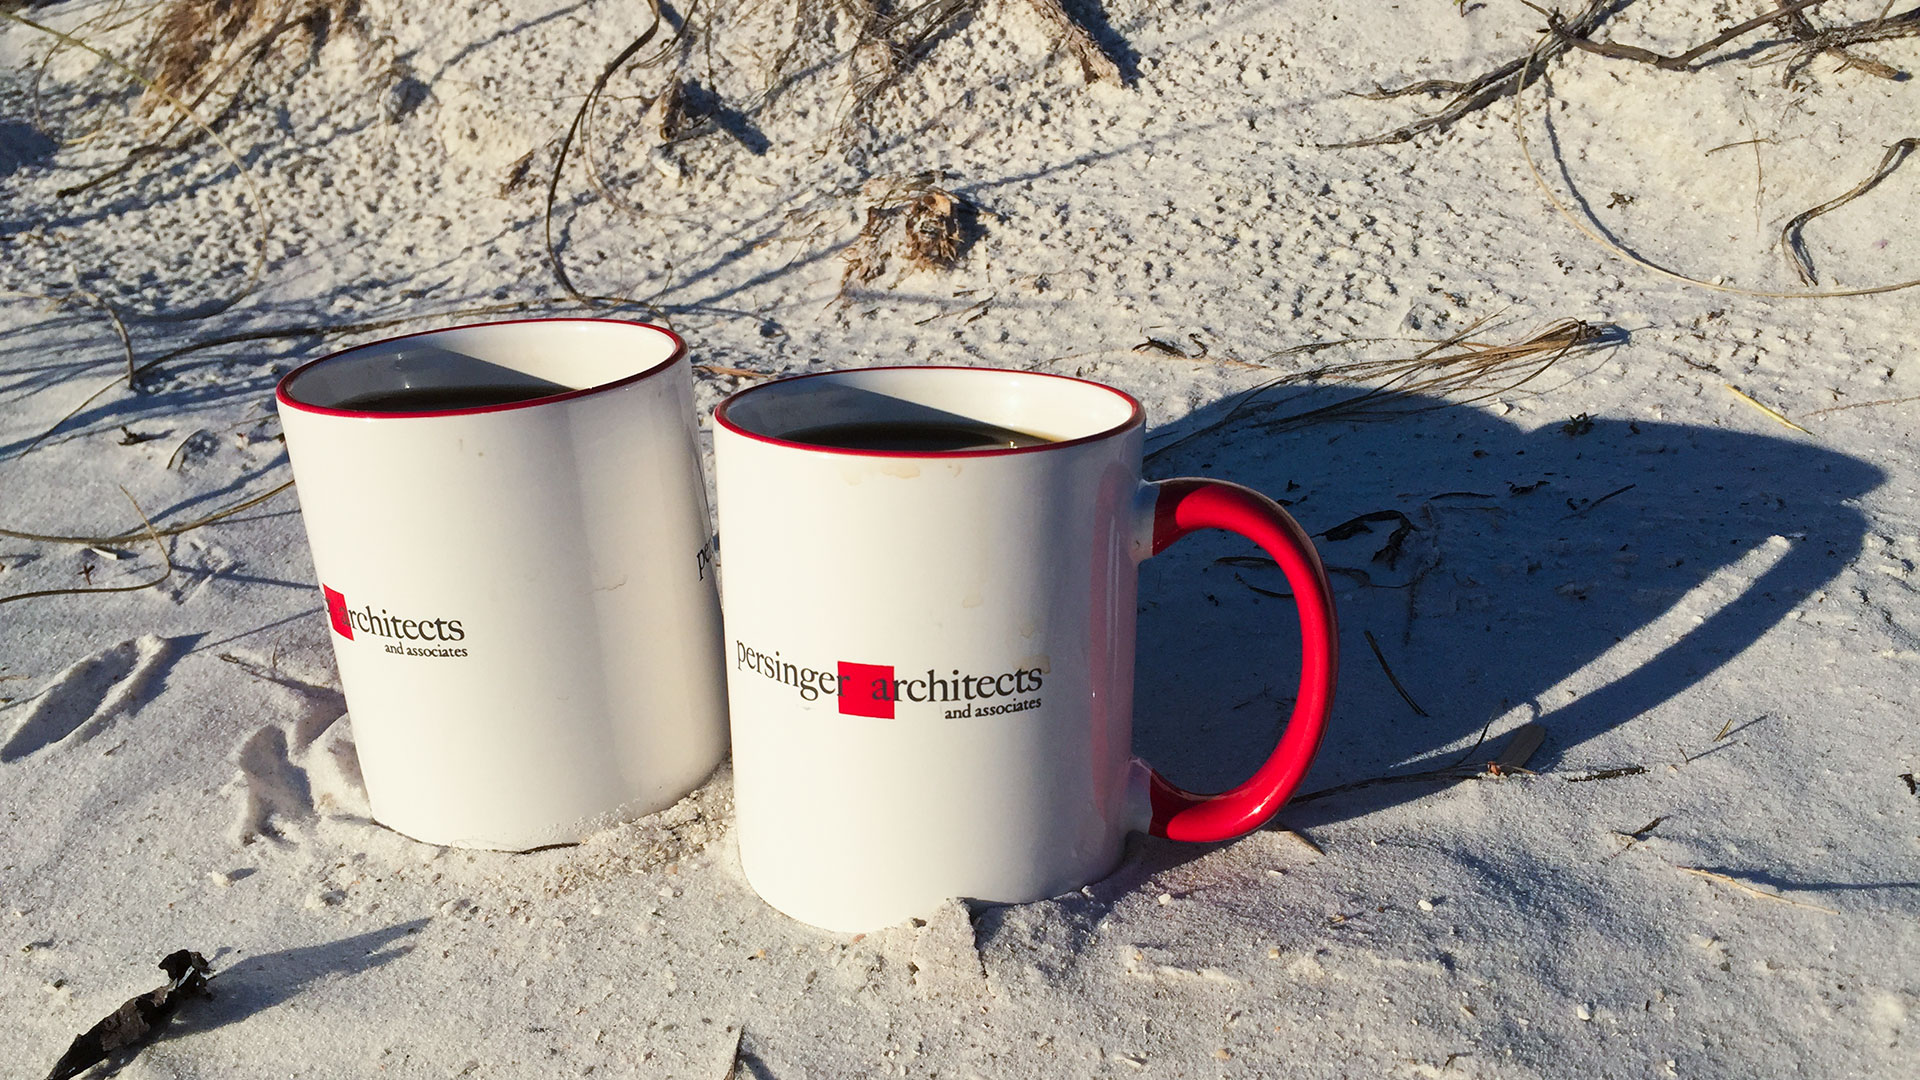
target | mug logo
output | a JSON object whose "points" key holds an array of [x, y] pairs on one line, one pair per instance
{"points": [[874, 690], [337, 612], [431, 634], [876, 705]]}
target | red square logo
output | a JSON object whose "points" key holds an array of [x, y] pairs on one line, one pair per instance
{"points": [[866, 690], [337, 612]]}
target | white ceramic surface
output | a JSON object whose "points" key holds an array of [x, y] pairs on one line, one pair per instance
{"points": [[521, 596]]}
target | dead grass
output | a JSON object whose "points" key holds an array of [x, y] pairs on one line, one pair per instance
{"points": [[1794, 244], [913, 220], [1396, 386], [186, 116], [1891, 160], [197, 43], [1803, 41], [891, 41], [166, 560], [186, 36]]}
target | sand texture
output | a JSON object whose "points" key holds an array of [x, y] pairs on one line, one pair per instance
{"points": [[1680, 535]]}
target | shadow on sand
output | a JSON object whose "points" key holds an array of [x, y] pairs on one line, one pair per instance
{"points": [[1522, 557]]}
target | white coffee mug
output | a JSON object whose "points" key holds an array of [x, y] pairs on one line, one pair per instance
{"points": [[930, 652], [521, 591]]}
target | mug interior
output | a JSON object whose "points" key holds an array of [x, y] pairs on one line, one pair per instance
{"points": [[1056, 408], [541, 359]]}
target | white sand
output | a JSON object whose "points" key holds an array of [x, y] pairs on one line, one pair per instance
{"points": [[175, 769]]}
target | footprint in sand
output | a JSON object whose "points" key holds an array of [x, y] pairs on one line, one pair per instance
{"points": [[87, 697], [275, 792], [294, 773], [197, 564]]}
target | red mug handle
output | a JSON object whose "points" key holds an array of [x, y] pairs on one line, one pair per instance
{"points": [[1188, 505]]}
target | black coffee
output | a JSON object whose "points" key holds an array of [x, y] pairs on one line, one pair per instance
{"points": [[915, 438], [446, 398]]}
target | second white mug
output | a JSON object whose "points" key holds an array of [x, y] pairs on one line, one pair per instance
{"points": [[930, 600]]}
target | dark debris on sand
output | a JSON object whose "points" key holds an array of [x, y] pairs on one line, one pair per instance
{"points": [[140, 1020]]}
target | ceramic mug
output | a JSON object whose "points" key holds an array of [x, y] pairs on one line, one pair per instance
{"points": [[929, 652], [510, 530]]}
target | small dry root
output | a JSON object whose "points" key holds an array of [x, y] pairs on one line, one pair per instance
{"points": [[669, 116], [932, 229], [923, 225]]}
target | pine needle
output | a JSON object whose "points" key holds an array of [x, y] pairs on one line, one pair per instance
{"points": [[1769, 410], [1454, 365], [128, 537]]}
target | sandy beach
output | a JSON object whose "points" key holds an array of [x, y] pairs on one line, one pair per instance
{"points": [[1602, 437]]}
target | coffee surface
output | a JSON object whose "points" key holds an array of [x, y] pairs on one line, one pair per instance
{"points": [[445, 398], [916, 438]]}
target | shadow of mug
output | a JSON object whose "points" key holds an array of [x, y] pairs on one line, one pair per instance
{"points": [[1493, 567]]}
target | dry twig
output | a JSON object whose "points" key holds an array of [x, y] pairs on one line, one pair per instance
{"points": [[1678, 61], [150, 533], [1837, 41], [128, 537], [1813, 40], [94, 299], [1506, 80], [1095, 64], [1794, 243], [1609, 774], [1560, 207], [1394, 679]]}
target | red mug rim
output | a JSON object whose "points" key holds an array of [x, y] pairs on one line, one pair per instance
{"points": [[1136, 416], [286, 400]]}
